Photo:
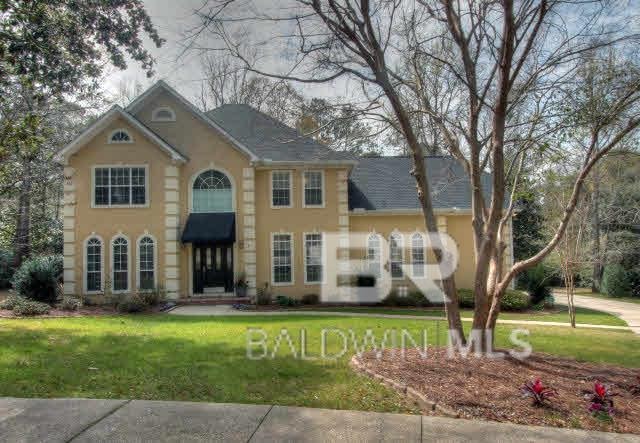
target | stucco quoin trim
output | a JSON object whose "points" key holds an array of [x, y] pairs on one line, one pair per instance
{"points": [[171, 247], [69, 232]]}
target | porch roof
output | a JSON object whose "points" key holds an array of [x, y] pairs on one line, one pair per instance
{"points": [[210, 228]]}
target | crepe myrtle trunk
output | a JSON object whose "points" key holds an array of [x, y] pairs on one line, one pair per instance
{"points": [[22, 234]]}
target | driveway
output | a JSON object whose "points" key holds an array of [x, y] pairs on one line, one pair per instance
{"points": [[629, 312]]}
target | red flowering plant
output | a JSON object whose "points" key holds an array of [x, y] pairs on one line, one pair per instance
{"points": [[600, 401], [538, 392]]}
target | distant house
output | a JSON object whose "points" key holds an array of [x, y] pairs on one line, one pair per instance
{"points": [[162, 194]]}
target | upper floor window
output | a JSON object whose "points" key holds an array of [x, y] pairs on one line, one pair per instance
{"points": [[313, 188], [120, 186], [163, 114], [120, 136], [212, 192], [281, 189]]}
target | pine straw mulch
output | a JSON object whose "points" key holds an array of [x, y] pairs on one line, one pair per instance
{"points": [[489, 389]]}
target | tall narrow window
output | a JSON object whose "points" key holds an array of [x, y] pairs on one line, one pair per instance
{"points": [[313, 258], [281, 188], [417, 254], [94, 265], [120, 186], [120, 267], [212, 192], [395, 255], [373, 254], [146, 264], [282, 260], [313, 188]]}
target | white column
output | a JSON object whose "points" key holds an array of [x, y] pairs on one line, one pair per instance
{"points": [[249, 228], [69, 232], [172, 223]]}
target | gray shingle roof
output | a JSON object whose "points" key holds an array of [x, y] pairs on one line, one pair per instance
{"points": [[270, 139], [385, 183]]}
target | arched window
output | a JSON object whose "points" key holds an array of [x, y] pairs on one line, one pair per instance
{"points": [[120, 264], [417, 254], [212, 192], [146, 263], [93, 266], [120, 136], [373, 254], [395, 255], [163, 114]]}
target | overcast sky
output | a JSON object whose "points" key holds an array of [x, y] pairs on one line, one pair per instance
{"points": [[183, 70]]}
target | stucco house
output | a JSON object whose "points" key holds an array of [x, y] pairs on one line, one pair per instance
{"points": [[162, 194]]}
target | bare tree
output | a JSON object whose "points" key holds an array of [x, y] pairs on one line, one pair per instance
{"points": [[502, 66]]}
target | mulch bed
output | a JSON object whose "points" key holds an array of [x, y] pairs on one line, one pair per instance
{"points": [[489, 389]]}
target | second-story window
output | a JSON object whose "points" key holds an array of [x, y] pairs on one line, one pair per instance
{"points": [[281, 189], [313, 188], [120, 186]]}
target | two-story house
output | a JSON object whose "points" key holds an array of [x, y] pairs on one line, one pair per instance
{"points": [[162, 194]]}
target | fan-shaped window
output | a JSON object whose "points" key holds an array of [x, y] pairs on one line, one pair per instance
{"points": [[163, 114], [120, 136], [373, 254], [146, 263], [212, 192]]}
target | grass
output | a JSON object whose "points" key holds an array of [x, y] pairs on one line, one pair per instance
{"points": [[560, 314], [164, 357]]}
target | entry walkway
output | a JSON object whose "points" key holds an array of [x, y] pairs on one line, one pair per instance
{"points": [[224, 310], [80, 420], [629, 312]]}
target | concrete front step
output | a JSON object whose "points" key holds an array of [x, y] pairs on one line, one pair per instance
{"points": [[208, 300]]}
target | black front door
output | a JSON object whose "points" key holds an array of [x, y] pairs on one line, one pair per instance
{"points": [[212, 267]]}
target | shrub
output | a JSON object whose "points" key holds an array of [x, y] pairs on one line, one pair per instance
{"points": [[538, 392], [616, 281], [264, 295], [31, 307], [11, 301], [536, 281], [39, 278], [153, 297], [412, 299], [310, 299], [285, 301], [6, 269], [512, 300], [131, 304], [69, 304]]}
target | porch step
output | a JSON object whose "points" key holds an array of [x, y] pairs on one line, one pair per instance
{"points": [[213, 300], [216, 290]]}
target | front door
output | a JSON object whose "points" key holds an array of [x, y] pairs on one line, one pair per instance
{"points": [[212, 267]]}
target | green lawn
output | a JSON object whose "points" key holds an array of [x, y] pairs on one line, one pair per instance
{"points": [[583, 315], [204, 358]]}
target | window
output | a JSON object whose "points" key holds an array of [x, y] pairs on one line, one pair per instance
{"points": [[120, 136], [120, 186], [313, 258], [417, 255], [281, 188], [163, 114], [93, 266], [313, 188], [146, 263], [120, 265], [282, 261], [373, 254], [212, 192], [395, 255]]}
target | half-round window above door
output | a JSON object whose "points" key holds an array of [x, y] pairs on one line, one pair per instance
{"points": [[212, 192]]}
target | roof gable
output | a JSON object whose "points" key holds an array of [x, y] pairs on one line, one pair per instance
{"points": [[103, 122]]}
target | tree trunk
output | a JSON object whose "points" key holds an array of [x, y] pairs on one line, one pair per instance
{"points": [[22, 235], [597, 258]]}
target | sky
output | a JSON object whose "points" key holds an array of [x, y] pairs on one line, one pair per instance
{"points": [[173, 19]]}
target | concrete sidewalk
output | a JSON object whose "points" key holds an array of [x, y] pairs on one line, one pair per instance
{"points": [[80, 420], [224, 310], [629, 312]]}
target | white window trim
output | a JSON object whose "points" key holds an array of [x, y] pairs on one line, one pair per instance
{"points": [[304, 183], [155, 118], [400, 242], [290, 189], [112, 133], [424, 256], [113, 239], [293, 256], [323, 258], [147, 193], [195, 176], [85, 280], [380, 255], [155, 262]]}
